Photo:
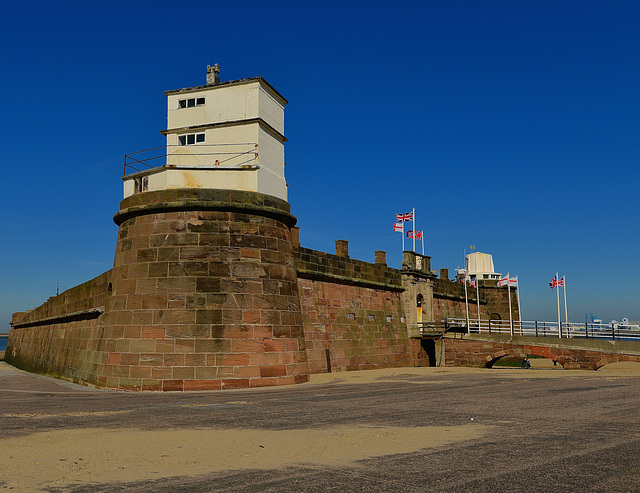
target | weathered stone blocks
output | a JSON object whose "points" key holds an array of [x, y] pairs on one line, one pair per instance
{"points": [[203, 280]]}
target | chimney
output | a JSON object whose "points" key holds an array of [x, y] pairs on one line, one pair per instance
{"points": [[444, 274], [212, 75], [381, 257], [295, 236], [342, 248]]}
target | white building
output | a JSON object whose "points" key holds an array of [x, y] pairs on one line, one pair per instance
{"points": [[224, 135], [480, 266]]}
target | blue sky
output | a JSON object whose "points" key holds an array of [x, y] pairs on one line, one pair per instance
{"points": [[511, 126]]}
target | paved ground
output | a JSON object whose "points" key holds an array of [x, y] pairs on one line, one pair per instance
{"points": [[544, 430]]}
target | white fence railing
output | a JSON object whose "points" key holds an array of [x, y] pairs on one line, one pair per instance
{"points": [[613, 331]]}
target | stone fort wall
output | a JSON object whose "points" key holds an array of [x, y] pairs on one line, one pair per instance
{"points": [[65, 336], [210, 291], [353, 314], [449, 300]]}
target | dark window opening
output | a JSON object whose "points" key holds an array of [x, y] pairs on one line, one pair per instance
{"points": [[141, 184], [189, 139], [190, 103]]}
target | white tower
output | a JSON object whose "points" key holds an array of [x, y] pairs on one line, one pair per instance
{"points": [[223, 135]]}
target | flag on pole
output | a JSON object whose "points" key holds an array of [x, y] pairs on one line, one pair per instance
{"points": [[555, 282], [404, 217], [414, 234], [472, 283], [504, 281], [513, 281], [398, 227]]}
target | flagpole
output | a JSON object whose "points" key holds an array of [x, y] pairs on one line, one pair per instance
{"points": [[558, 298], [414, 229], [466, 299], [518, 298], [402, 237], [422, 238], [509, 295], [478, 300], [564, 290]]}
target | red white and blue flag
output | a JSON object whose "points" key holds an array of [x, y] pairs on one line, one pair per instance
{"points": [[556, 283], [404, 217], [398, 227], [414, 234]]}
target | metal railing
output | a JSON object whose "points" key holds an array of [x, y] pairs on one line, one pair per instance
{"points": [[613, 331], [224, 155]]}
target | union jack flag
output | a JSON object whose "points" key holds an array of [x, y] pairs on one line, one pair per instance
{"points": [[414, 234], [404, 217], [556, 283]]}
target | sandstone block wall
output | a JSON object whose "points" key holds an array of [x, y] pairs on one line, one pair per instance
{"points": [[449, 301], [65, 335], [204, 297], [498, 302], [353, 315], [484, 353], [209, 292]]}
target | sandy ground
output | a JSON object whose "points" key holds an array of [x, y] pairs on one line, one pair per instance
{"points": [[58, 446], [623, 369], [71, 456]]}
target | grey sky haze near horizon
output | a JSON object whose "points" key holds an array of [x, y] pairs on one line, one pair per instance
{"points": [[514, 128]]}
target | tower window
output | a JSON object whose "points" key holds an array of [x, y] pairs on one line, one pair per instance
{"points": [[188, 139], [141, 184], [190, 103]]}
